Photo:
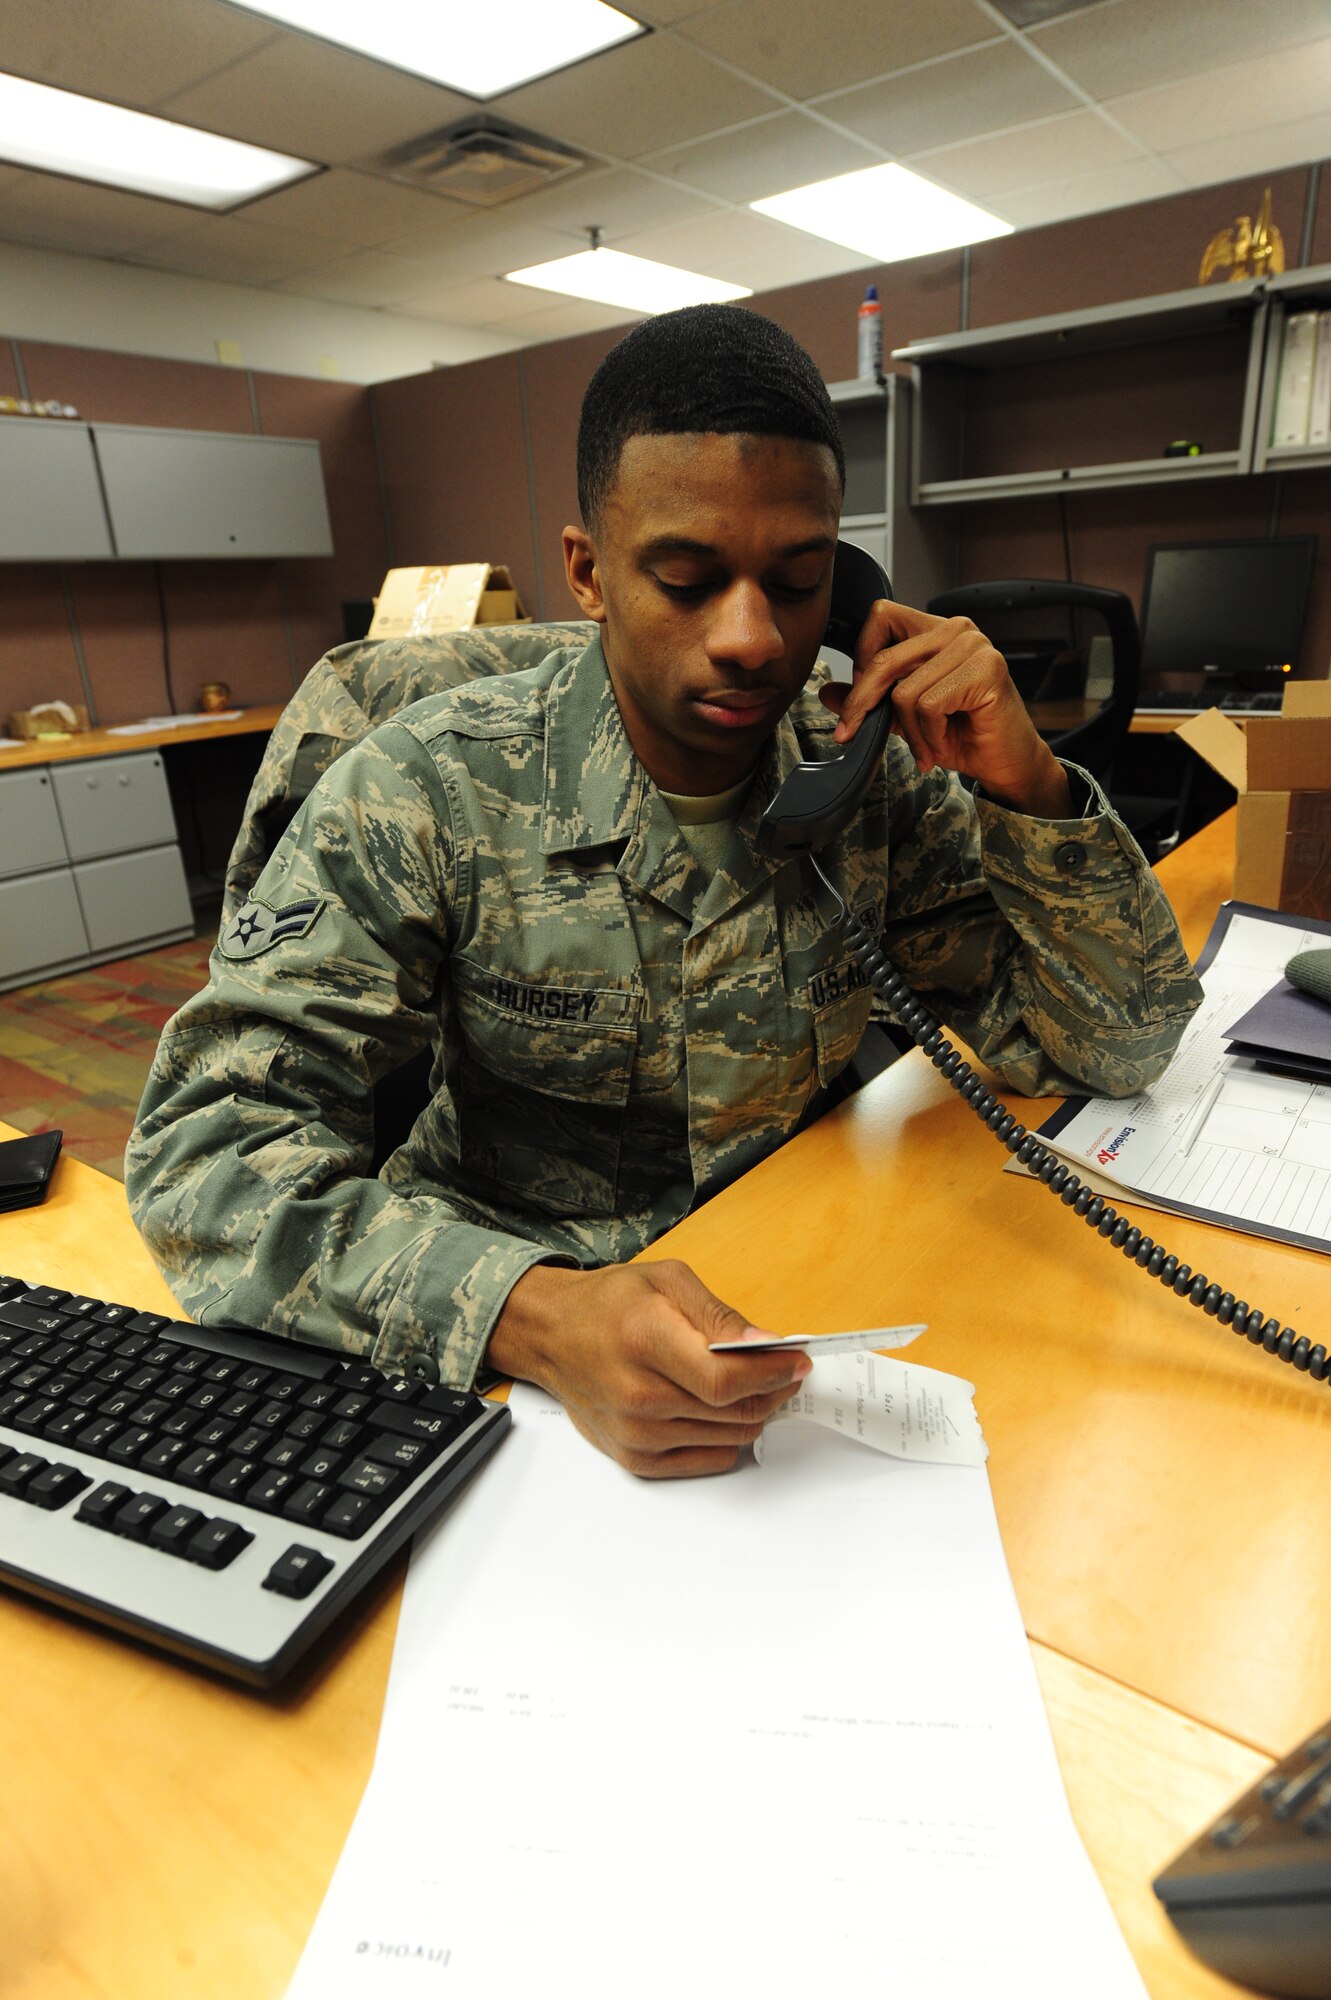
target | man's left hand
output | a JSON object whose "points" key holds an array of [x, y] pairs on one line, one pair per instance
{"points": [[954, 704]]}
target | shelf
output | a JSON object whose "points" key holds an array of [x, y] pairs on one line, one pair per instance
{"points": [[1172, 315], [857, 392], [1080, 479]]}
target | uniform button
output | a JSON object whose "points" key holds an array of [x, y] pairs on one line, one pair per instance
{"points": [[1070, 857], [422, 1367]]}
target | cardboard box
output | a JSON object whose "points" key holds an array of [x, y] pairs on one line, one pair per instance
{"points": [[1280, 766], [445, 597], [49, 718]]}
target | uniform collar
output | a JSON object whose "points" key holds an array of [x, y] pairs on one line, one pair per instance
{"points": [[597, 794]]}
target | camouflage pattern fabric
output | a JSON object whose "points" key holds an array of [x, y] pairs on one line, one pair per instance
{"points": [[617, 1033], [346, 695]]}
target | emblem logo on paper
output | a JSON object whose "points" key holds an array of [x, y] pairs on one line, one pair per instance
{"points": [[256, 927], [1107, 1154]]}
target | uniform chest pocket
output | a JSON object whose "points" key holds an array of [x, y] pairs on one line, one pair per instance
{"points": [[837, 1030], [542, 1092]]}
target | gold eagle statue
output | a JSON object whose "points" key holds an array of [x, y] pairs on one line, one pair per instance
{"points": [[1248, 249]]}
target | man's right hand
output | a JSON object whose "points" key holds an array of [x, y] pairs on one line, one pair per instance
{"points": [[625, 1349]]}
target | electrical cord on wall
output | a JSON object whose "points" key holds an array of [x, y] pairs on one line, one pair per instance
{"points": [[1044, 1164], [166, 637]]}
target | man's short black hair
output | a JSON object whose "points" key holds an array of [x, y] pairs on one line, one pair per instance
{"points": [[703, 368]]}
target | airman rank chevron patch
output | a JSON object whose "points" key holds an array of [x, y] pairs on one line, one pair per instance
{"points": [[257, 927]]}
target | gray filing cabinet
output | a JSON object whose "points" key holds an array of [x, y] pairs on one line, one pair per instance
{"points": [[89, 865]]}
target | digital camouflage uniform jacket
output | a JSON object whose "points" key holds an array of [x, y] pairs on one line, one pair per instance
{"points": [[616, 1033]]}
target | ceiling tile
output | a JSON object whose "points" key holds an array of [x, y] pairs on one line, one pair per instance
{"points": [[616, 199], [1087, 194], [131, 51], [654, 92], [805, 49], [1239, 98], [777, 153], [981, 90], [745, 249], [365, 278], [1135, 44], [483, 246], [358, 211], [664, 13], [986, 168], [473, 302], [560, 319], [224, 247], [303, 96], [59, 214], [1288, 144]]}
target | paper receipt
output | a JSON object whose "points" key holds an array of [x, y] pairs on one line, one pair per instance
{"points": [[895, 1406]]}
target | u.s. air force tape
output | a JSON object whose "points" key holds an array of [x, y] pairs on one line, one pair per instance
{"points": [[257, 927]]}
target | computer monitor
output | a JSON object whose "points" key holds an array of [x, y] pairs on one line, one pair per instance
{"points": [[1228, 608]]}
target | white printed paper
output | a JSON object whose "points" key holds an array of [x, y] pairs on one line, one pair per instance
{"points": [[156, 722], [816, 1344], [895, 1406], [1216, 1135], [777, 1732]]}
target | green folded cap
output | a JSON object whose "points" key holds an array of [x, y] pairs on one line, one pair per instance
{"points": [[1310, 971]]}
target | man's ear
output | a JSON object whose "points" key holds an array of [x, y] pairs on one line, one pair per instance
{"points": [[583, 577]]}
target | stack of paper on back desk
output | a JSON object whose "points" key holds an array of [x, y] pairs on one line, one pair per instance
{"points": [[1220, 1136], [777, 1733]]}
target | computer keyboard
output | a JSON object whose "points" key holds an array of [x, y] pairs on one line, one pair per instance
{"points": [[220, 1493]]}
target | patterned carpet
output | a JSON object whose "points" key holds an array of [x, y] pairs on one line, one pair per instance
{"points": [[75, 1052]]}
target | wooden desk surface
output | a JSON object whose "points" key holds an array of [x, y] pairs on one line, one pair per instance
{"points": [[169, 1838], [1051, 715], [102, 742]]}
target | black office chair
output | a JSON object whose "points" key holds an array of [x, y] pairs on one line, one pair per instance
{"points": [[1095, 742]]}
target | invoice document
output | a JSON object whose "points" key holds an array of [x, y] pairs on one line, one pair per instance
{"points": [[1218, 1137], [776, 1732]]}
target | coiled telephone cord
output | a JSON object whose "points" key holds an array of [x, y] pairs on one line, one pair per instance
{"points": [[1045, 1165]]}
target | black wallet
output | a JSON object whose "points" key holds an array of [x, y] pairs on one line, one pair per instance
{"points": [[26, 1166]]}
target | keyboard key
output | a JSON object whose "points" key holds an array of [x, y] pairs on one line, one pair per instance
{"points": [[112, 1315], [234, 1476], [221, 1368], [35, 1415], [272, 1416], [133, 1345], [414, 1420], [140, 1322], [82, 1307], [239, 1404], [143, 1379], [175, 1387], [306, 1426], [22, 1467], [457, 1403], [180, 1423], [285, 1388], [119, 1404], [342, 1436], [298, 1572], [251, 1442], [400, 1389], [97, 1435], [356, 1375], [253, 1380], [164, 1455], [114, 1371], [30, 1318], [350, 1514], [30, 1376], [218, 1543], [62, 1429], [269, 1491], [129, 1447], [364, 1476], [216, 1432], [319, 1396], [56, 1486], [135, 1516], [323, 1463], [307, 1502], [12, 1402], [150, 1411], [406, 1453], [174, 1530], [282, 1453], [198, 1468], [207, 1396], [100, 1507], [44, 1295], [352, 1405]]}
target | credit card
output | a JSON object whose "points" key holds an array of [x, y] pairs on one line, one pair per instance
{"points": [[814, 1344]]}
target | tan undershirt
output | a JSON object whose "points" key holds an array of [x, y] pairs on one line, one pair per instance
{"points": [[705, 820]]}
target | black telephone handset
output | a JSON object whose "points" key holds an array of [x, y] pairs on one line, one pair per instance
{"points": [[814, 805]]}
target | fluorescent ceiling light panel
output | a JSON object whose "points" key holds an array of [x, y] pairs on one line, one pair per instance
{"points": [[884, 212], [63, 133], [481, 48], [612, 278]]}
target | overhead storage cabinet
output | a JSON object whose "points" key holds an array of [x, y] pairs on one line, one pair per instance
{"points": [[209, 493], [52, 508]]}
